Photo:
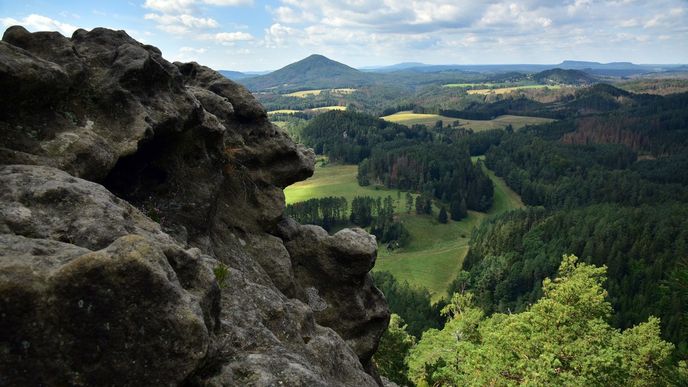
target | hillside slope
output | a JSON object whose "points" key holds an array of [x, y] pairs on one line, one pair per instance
{"points": [[313, 72]]}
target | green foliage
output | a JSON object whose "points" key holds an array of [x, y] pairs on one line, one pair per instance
{"points": [[349, 137], [326, 212], [444, 171], [442, 217], [642, 247], [409, 202], [390, 357], [458, 208], [411, 303], [563, 339], [221, 272]]}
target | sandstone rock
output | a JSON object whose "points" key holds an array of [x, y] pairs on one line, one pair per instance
{"points": [[138, 177], [337, 266], [46, 203], [75, 317]]}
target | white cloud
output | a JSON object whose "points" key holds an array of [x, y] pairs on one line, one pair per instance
{"points": [[503, 15], [180, 24], [227, 38], [192, 50], [629, 23], [233, 36], [36, 22], [278, 35]]}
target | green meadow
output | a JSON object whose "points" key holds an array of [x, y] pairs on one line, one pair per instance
{"points": [[409, 118], [307, 93], [435, 253], [506, 90]]}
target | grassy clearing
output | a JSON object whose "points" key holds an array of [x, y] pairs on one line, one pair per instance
{"points": [[506, 90], [335, 180], [318, 109], [328, 108], [283, 111], [409, 118], [434, 256], [462, 85], [505, 199], [304, 93], [308, 93]]}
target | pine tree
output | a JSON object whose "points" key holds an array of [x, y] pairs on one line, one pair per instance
{"points": [[443, 215]]}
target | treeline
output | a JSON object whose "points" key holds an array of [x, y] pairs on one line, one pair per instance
{"points": [[644, 249], [379, 215], [411, 303], [562, 175], [435, 161], [325, 212], [603, 205], [349, 137], [562, 339], [444, 171], [373, 213]]}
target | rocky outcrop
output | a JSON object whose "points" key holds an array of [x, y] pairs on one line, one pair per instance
{"points": [[125, 182]]}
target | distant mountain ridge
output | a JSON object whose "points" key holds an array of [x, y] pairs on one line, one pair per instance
{"points": [[320, 72], [394, 67], [564, 76], [234, 75]]}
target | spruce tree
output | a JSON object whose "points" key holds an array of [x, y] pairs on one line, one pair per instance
{"points": [[443, 215]]}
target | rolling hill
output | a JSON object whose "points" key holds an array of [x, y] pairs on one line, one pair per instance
{"points": [[561, 76], [235, 75], [313, 72]]}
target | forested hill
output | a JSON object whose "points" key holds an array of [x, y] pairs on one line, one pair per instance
{"points": [[313, 72], [561, 76], [609, 186]]}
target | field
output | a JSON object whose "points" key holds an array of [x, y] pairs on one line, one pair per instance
{"points": [[283, 111], [306, 93], [334, 180], [436, 251], [318, 109], [328, 108], [506, 90], [409, 118], [462, 85]]}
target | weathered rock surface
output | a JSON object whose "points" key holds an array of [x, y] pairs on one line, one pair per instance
{"points": [[335, 269], [124, 181]]}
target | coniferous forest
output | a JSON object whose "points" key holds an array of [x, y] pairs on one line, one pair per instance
{"points": [[608, 189]]}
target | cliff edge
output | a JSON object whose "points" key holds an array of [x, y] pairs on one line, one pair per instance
{"points": [[142, 236]]}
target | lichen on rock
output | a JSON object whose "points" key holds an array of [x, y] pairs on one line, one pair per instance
{"points": [[125, 180]]}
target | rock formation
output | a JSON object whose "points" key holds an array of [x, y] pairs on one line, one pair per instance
{"points": [[128, 184]]}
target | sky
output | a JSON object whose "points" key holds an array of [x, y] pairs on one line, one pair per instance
{"points": [[249, 35]]}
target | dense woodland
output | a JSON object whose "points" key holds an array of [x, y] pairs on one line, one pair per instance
{"points": [[375, 214], [607, 182], [436, 162], [600, 202], [562, 339]]}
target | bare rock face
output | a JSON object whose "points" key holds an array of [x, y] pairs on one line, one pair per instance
{"points": [[125, 180], [334, 269]]}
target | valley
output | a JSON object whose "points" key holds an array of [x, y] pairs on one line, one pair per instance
{"points": [[352, 193], [481, 183], [434, 255]]}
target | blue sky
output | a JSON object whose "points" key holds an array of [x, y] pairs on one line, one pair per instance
{"points": [[248, 35]]}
